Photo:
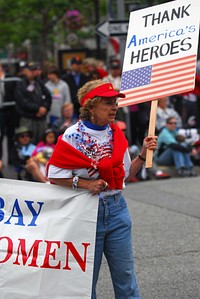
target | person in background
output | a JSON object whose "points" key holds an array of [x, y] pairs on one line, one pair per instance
{"points": [[75, 78], [172, 150], [66, 120], [38, 72], [144, 173], [114, 74], [114, 77], [33, 101], [44, 150], [23, 147], [94, 69], [45, 67], [9, 118], [191, 105], [93, 155], [60, 93], [21, 158], [164, 112], [89, 64], [22, 69], [190, 110], [101, 69]]}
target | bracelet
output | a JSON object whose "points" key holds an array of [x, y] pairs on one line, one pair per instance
{"points": [[141, 158], [75, 182]]}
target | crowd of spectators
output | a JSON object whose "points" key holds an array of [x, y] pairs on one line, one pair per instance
{"points": [[37, 105]]}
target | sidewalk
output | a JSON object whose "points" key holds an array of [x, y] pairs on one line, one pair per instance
{"points": [[172, 171]]}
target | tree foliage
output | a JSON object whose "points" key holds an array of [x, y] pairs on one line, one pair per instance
{"points": [[36, 19]]}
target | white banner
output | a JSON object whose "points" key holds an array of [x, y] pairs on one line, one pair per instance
{"points": [[47, 239]]}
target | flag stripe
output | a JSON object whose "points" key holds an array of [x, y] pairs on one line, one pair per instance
{"points": [[180, 70], [167, 78], [173, 68], [164, 78]]}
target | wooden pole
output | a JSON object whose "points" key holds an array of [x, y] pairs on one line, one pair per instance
{"points": [[151, 131]]}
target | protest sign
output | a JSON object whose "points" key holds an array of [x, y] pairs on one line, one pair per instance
{"points": [[161, 51], [47, 238]]}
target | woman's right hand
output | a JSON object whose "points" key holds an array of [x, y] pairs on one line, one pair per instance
{"points": [[96, 186], [93, 186]]}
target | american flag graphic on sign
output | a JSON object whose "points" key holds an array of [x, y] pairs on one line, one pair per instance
{"points": [[158, 80]]}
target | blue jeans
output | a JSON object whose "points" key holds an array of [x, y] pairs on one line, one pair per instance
{"points": [[113, 238], [177, 158]]}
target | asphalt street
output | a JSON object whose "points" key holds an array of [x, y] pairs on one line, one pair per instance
{"points": [[166, 238]]}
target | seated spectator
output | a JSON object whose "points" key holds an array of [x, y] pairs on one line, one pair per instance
{"points": [[173, 150], [22, 153], [44, 149], [66, 120], [164, 112]]}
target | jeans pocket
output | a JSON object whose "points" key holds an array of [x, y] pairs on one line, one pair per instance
{"points": [[121, 202]]}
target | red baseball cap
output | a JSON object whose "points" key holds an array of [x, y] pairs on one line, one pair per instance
{"points": [[105, 90]]}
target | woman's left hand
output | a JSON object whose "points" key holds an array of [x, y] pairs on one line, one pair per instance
{"points": [[150, 143]]}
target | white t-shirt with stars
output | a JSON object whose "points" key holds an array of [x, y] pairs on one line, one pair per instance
{"points": [[93, 143]]}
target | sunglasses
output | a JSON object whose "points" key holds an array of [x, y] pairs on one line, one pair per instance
{"points": [[24, 136]]}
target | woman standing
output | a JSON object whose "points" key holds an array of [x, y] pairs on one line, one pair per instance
{"points": [[93, 155]]}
